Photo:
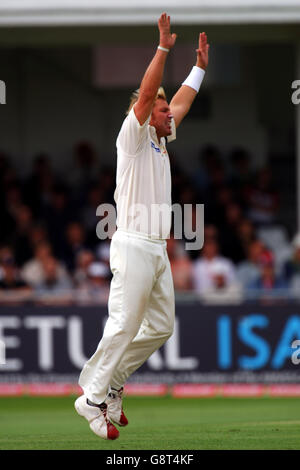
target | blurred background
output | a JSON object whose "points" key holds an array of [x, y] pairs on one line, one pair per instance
{"points": [[68, 71]]}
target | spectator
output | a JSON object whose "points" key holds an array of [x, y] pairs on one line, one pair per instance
{"points": [[7, 255], [84, 170], [203, 269], [57, 214], [94, 289], [209, 159], [53, 289], [222, 290], [246, 234], [37, 234], [12, 288], [21, 237], [179, 178], [39, 182], [181, 265], [103, 251], [210, 232], [268, 281], [13, 201], [216, 208], [262, 198], [74, 243], [241, 173], [83, 261], [107, 183], [33, 271], [231, 245], [248, 271], [292, 266]]}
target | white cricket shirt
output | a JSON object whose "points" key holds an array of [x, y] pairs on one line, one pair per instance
{"points": [[143, 192]]}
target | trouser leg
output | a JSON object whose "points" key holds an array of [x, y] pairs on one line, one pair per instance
{"points": [[156, 328], [132, 283]]}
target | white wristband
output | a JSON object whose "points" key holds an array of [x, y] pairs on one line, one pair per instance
{"points": [[195, 78], [163, 49]]}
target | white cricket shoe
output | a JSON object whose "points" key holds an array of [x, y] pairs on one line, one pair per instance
{"points": [[96, 415], [114, 407]]}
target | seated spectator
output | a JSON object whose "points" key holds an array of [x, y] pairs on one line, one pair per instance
{"points": [[222, 291], [85, 166], [216, 208], [262, 198], [179, 178], [268, 281], [231, 245], [292, 266], [33, 271], [40, 182], [21, 236], [94, 290], [276, 238], [103, 251], [12, 288], [181, 265], [53, 290], [37, 234], [241, 172], [210, 232], [7, 254], [13, 200], [203, 268], [57, 214], [74, 243], [248, 271], [246, 234], [209, 159], [107, 183], [83, 261]]}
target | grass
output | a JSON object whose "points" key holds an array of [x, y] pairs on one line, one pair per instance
{"points": [[155, 423]]}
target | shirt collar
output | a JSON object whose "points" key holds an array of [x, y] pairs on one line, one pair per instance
{"points": [[154, 136]]}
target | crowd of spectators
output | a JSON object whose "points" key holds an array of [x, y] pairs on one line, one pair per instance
{"points": [[50, 253]]}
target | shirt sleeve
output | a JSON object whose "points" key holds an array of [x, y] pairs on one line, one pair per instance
{"points": [[132, 134]]}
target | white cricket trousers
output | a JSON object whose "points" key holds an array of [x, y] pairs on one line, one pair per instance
{"points": [[141, 313]]}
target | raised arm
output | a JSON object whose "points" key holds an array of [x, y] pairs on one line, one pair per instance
{"points": [[183, 99], [154, 73]]}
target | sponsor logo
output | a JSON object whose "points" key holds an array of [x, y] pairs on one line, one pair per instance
{"points": [[157, 149]]}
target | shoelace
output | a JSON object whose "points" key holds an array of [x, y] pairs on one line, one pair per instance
{"points": [[103, 409]]}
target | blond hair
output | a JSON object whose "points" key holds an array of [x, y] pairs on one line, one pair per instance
{"points": [[135, 96]]}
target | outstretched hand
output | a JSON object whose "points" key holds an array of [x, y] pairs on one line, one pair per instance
{"points": [[202, 51], [166, 39]]}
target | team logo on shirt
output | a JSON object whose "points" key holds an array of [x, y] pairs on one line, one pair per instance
{"points": [[157, 149]]}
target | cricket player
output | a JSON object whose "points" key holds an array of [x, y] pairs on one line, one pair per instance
{"points": [[141, 300]]}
